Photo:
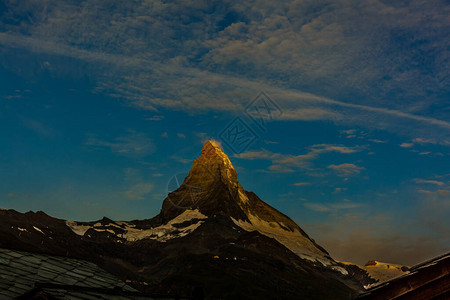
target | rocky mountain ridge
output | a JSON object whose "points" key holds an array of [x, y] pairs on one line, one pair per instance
{"points": [[210, 233]]}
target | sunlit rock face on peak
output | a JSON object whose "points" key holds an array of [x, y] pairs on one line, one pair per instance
{"points": [[212, 165], [211, 186]]}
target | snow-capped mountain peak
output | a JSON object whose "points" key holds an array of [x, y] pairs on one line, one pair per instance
{"points": [[213, 189]]}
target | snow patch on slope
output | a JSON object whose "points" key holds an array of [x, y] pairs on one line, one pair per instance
{"points": [[166, 232], [78, 229], [37, 229], [340, 270], [380, 271], [161, 233], [293, 240], [383, 271]]}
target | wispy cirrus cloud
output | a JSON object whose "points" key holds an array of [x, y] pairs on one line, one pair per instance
{"points": [[439, 192], [339, 190], [406, 145], [139, 191], [302, 184], [433, 182], [137, 187], [331, 207], [181, 159], [155, 118], [202, 90], [421, 141], [288, 163], [340, 74], [346, 169], [132, 144], [39, 127]]}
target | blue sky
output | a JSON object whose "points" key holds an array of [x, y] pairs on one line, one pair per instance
{"points": [[102, 103]]}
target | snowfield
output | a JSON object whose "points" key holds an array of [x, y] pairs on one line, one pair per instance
{"points": [[380, 271], [161, 233]]}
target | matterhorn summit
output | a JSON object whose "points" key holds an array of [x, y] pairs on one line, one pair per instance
{"points": [[211, 187], [215, 162], [212, 166]]}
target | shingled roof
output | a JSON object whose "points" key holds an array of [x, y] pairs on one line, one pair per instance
{"points": [[428, 280], [29, 275]]}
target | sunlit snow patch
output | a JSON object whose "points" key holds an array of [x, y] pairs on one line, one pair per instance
{"points": [[37, 229], [293, 240]]}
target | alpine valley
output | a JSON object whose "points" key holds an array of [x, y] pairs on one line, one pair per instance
{"points": [[211, 235]]}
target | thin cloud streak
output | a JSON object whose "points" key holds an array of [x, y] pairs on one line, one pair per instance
{"points": [[286, 163], [346, 169]]}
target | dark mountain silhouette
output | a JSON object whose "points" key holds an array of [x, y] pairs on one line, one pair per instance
{"points": [[212, 238]]}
